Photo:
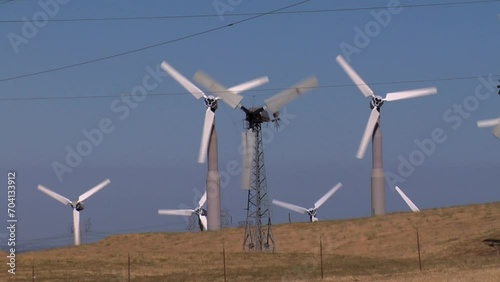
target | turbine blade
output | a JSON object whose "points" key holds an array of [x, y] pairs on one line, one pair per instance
{"points": [[488, 122], [76, 226], [394, 96], [292, 207], [197, 93], [327, 196], [354, 77], [205, 136], [248, 156], [54, 195], [232, 99], [412, 206], [370, 126], [276, 102], [496, 131], [203, 199], [176, 212], [203, 220], [92, 191], [249, 85]]}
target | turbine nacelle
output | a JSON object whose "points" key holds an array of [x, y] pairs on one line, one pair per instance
{"points": [[77, 205], [211, 102], [312, 215], [376, 102]]}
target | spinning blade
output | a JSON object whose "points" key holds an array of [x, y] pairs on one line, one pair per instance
{"points": [[354, 77], [232, 99], [249, 85], [195, 91], [248, 156], [92, 191], [323, 199], [412, 206], [176, 212], [76, 226], [205, 137], [488, 122], [292, 207], [370, 126], [54, 195], [276, 102], [394, 96], [203, 199], [203, 220]]}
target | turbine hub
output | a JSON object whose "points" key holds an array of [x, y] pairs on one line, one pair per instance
{"points": [[78, 206], [376, 102], [211, 102]]}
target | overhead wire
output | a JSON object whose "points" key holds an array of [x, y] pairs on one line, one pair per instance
{"points": [[154, 45], [170, 17], [263, 90]]}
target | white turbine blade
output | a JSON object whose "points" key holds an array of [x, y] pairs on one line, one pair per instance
{"points": [[76, 226], [92, 191], [248, 156], [354, 77], [203, 199], [488, 122], [394, 96], [232, 99], [276, 102], [323, 199], [197, 93], [54, 195], [372, 121], [496, 131], [292, 207], [176, 212], [249, 85], [203, 220], [412, 206], [205, 136]]}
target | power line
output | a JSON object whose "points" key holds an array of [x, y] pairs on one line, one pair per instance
{"points": [[250, 90], [173, 17], [152, 46]]}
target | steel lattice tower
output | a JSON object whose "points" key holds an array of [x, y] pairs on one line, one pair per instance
{"points": [[258, 231]]}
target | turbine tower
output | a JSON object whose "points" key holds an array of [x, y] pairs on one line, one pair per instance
{"points": [[209, 137], [77, 205], [311, 211], [373, 130], [254, 173]]}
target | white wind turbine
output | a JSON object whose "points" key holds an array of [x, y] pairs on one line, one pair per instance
{"points": [[77, 205], [199, 211], [407, 200], [495, 123], [208, 144], [373, 131], [310, 211]]}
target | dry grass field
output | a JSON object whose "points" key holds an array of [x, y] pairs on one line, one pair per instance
{"points": [[369, 249]]}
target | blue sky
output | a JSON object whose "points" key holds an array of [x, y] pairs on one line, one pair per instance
{"points": [[151, 154]]}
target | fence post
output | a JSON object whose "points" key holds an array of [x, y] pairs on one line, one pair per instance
{"points": [[224, 261], [128, 271], [321, 255], [418, 248]]}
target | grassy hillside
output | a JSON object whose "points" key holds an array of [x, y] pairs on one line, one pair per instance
{"points": [[368, 249]]}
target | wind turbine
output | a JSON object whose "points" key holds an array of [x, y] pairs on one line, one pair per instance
{"points": [[254, 173], [199, 211], [310, 211], [209, 136], [373, 130], [491, 123], [77, 205], [412, 206]]}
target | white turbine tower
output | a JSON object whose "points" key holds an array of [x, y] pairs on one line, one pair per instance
{"points": [[407, 200], [208, 144], [77, 205], [199, 211], [495, 123], [373, 131], [310, 211]]}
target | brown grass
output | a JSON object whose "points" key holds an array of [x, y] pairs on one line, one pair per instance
{"points": [[369, 249]]}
